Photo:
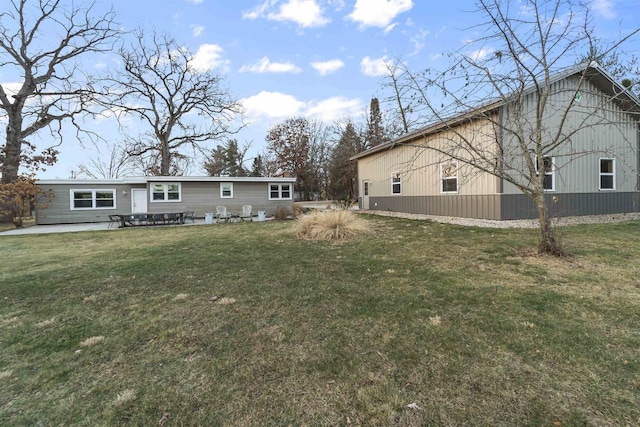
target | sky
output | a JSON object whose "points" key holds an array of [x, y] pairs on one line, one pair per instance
{"points": [[312, 58]]}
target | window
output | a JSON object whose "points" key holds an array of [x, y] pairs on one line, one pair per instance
{"points": [[226, 190], [449, 177], [366, 188], [165, 192], [396, 184], [549, 180], [93, 199], [607, 174], [279, 191]]}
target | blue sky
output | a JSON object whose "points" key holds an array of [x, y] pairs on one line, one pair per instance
{"points": [[321, 58]]}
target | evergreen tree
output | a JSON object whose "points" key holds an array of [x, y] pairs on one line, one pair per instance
{"points": [[226, 160], [342, 171], [257, 167], [375, 129]]}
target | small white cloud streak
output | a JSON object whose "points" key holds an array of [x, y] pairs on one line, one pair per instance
{"points": [[378, 13], [327, 67], [209, 56], [265, 65], [374, 67], [305, 13], [272, 106], [197, 30], [604, 8]]}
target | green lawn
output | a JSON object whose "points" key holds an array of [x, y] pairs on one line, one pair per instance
{"points": [[246, 325]]}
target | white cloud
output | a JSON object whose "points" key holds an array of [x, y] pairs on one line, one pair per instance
{"points": [[378, 13], [374, 67], [195, 1], [197, 30], [271, 105], [334, 108], [480, 54], [266, 66], [305, 13], [11, 88], [209, 56], [327, 67], [604, 8]]}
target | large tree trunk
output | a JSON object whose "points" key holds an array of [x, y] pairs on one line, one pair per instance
{"points": [[13, 147], [547, 243]]}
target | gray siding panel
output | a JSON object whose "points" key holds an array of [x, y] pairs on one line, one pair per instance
{"points": [[518, 206], [511, 206], [471, 206]]}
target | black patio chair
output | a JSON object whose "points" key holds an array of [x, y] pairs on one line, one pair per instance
{"points": [[188, 216]]}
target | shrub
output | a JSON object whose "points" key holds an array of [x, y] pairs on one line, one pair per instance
{"points": [[330, 225], [281, 214], [17, 198]]}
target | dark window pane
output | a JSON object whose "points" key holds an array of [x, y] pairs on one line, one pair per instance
{"points": [[173, 196], [606, 166], [104, 203], [449, 185], [158, 196], [548, 164], [366, 188], [83, 203], [547, 183], [396, 189], [104, 195], [82, 195], [286, 194], [606, 182]]}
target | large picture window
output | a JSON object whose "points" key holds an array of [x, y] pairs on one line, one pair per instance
{"points": [[396, 184], [449, 177], [169, 192], [93, 199], [226, 190], [280, 191], [549, 180], [607, 174]]}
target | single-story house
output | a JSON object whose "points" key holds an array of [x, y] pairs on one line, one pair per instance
{"points": [[76, 201], [594, 171]]}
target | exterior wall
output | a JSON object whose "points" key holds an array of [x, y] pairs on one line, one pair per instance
{"points": [[197, 196], [58, 209], [419, 168], [518, 206], [204, 196], [486, 206], [598, 128]]}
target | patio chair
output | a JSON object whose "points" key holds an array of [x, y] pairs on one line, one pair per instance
{"points": [[221, 214], [188, 216], [157, 219], [114, 219], [172, 218], [246, 213]]}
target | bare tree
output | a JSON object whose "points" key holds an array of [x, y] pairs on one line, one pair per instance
{"points": [[298, 146], [40, 41], [181, 103], [110, 161], [538, 109]]}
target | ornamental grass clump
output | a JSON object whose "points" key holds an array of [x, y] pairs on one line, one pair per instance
{"points": [[330, 225]]}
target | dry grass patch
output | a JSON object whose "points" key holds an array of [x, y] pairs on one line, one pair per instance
{"points": [[331, 225], [124, 397], [92, 341], [181, 297], [5, 374], [46, 323]]}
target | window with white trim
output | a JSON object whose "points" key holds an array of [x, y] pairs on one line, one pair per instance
{"points": [[607, 174], [169, 192], [92, 199], [549, 180], [226, 190], [280, 191], [396, 184], [449, 177]]}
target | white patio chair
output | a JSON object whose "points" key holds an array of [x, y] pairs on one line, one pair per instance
{"points": [[246, 213], [221, 214]]}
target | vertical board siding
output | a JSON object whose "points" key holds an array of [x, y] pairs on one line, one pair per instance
{"points": [[476, 206]]}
